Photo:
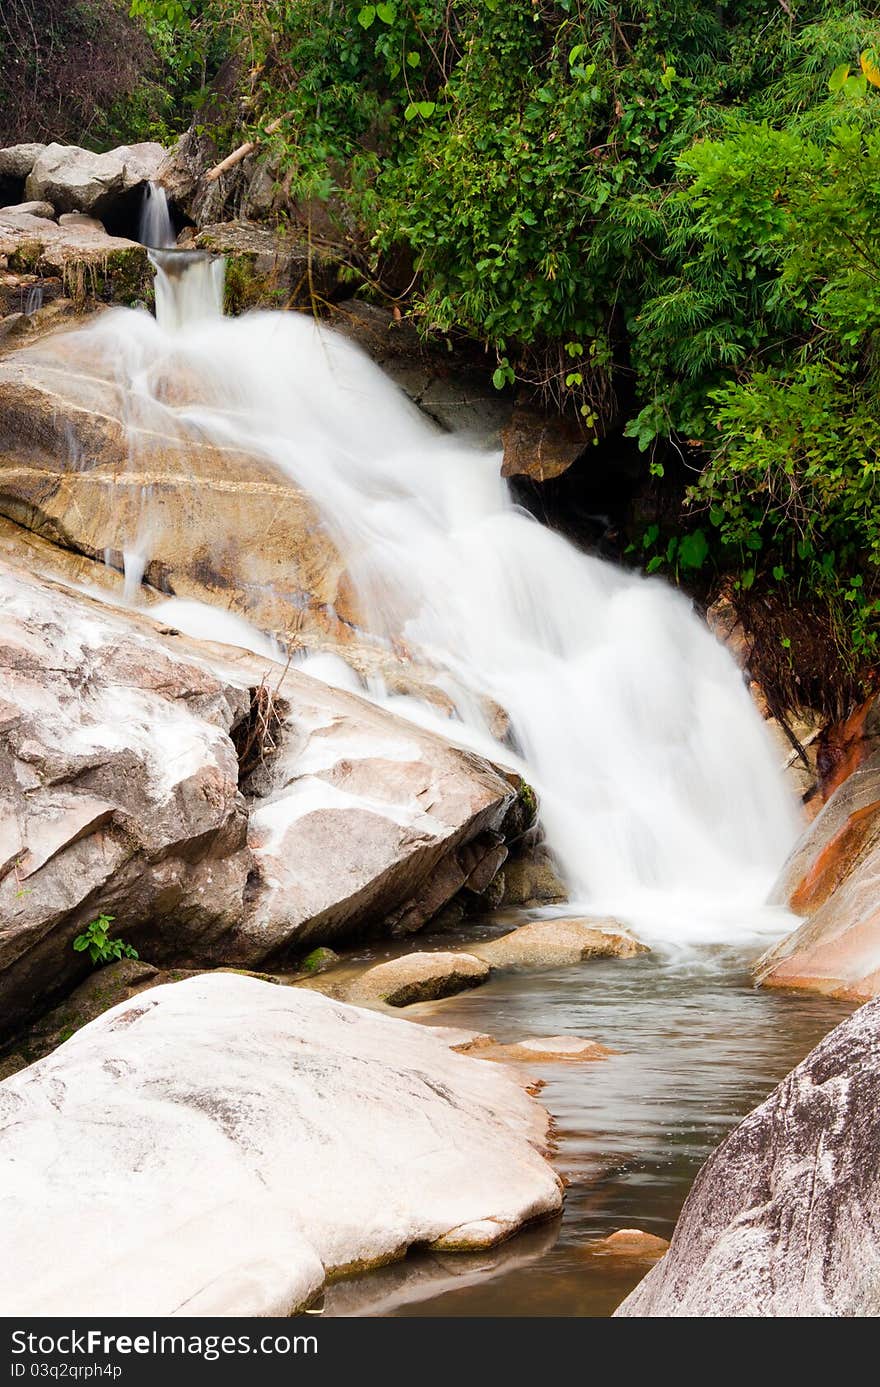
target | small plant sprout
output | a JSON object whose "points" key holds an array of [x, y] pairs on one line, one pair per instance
{"points": [[101, 948]]}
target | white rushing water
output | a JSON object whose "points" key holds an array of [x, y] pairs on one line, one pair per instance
{"points": [[659, 790]]}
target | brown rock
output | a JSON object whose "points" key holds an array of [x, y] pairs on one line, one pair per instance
{"points": [[540, 446], [421, 977], [554, 1049], [630, 1243], [91, 263], [224, 527], [530, 878], [554, 943]]}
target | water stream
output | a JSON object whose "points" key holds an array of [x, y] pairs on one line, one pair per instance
{"points": [[659, 793]]}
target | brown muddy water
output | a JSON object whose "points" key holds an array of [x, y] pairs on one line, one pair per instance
{"points": [[697, 1047]]}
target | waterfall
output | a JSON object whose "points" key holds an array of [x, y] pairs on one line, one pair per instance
{"points": [[660, 798], [156, 226]]}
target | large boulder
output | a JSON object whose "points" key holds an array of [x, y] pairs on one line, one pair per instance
{"points": [[78, 180], [328, 1138], [224, 808], [832, 877], [784, 1218], [78, 455]]}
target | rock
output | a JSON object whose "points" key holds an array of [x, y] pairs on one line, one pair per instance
{"points": [[530, 878], [328, 1138], [128, 799], [272, 268], [783, 1221], [540, 445], [123, 798], [44, 210], [17, 160], [222, 526], [555, 943], [455, 391], [318, 961], [91, 263], [420, 977], [102, 989], [78, 180], [832, 877], [845, 746], [632, 1244], [554, 1049]]}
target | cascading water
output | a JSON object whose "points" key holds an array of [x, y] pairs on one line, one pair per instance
{"points": [[659, 794]]}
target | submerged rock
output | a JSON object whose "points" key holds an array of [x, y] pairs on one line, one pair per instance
{"points": [[124, 751], [630, 1244], [554, 1049], [329, 1138], [832, 877], [784, 1218], [419, 977], [554, 943]]}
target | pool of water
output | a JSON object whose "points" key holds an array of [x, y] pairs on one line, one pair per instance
{"points": [[697, 1046]]}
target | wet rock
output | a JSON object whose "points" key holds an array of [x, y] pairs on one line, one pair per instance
{"points": [[319, 960], [555, 943], [554, 1049], [456, 393], [530, 878], [630, 1245], [420, 977], [832, 878], [782, 1221], [78, 180], [539, 445], [272, 268], [223, 526], [329, 1137]]}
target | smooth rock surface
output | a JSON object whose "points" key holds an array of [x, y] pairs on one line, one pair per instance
{"points": [[833, 877], [262, 1137], [418, 977], [78, 457], [78, 180], [123, 794], [553, 1049], [784, 1218], [554, 943]]}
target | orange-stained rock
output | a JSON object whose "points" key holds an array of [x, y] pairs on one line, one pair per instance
{"points": [[833, 877], [631, 1243], [844, 746]]}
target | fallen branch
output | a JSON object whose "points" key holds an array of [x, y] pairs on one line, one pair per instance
{"points": [[243, 150]]}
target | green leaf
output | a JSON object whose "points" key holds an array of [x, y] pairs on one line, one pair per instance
{"points": [[413, 59], [386, 13], [426, 108], [499, 378], [81, 943], [693, 550], [779, 573], [366, 16], [654, 564], [411, 111], [838, 77]]}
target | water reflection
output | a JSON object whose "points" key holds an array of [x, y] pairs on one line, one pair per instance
{"points": [[697, 1046]]}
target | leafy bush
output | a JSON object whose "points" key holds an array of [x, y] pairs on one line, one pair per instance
{"points": [[101, 948]]}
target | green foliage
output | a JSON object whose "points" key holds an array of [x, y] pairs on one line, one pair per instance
{"points": [[102, 949], [665, 210]]}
